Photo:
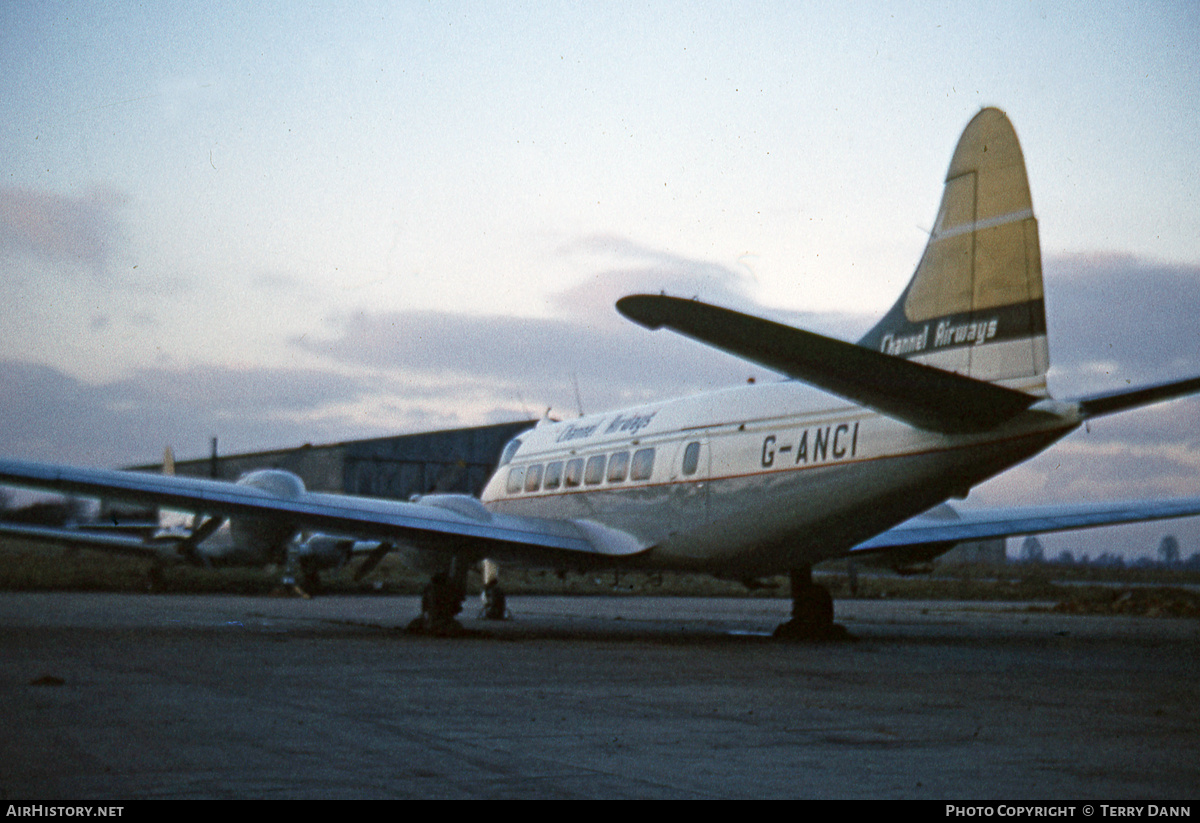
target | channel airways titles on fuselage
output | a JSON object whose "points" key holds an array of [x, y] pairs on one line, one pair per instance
{"points": [[622, 423]]}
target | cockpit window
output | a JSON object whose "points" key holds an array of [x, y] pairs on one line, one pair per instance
{"points": [[510, 451]]}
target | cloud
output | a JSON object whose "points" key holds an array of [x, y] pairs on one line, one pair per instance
{"points": [[534, 357], [49, 415], [622, 267], [230, 392], [625, 267], [80, 233], [537, 358], [615, 361], [1117, 320]]}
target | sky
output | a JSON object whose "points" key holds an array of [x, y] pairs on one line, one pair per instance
{"points": [[289, 223]]}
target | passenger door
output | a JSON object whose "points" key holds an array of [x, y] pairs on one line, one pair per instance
{"points": [[689, 483]]}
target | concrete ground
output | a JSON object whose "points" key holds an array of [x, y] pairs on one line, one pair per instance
{"points": [[110, 697]]}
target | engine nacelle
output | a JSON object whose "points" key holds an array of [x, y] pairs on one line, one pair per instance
{"points": [[266, 537], [322, 552], [274, 481]]}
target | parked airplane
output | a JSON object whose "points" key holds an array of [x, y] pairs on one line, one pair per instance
{"points": [[301, 560], [214, 542], [946, 391]]}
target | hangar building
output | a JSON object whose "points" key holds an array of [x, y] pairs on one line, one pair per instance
{"points": [[454, 460]]}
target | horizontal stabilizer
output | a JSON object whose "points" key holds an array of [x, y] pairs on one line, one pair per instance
{"points": [[1109, 402], [923, 396], [966, 525]]}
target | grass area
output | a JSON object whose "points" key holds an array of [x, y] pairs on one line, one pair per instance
{"points": [[29, 566]]}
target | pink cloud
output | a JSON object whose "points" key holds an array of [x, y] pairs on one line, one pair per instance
{"points": [[78, 231]]}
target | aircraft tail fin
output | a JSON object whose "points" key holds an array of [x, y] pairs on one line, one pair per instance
{"points": [[974, 305], [170, 524]]}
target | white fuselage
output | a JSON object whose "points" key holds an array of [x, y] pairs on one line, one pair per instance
{"points": [[756, 479]]}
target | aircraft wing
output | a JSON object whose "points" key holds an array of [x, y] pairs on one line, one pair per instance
{"points": [[457, 527], [963, 525], [79, 536]]}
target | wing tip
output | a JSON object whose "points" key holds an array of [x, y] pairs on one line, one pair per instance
{"points": [[643, 309]]}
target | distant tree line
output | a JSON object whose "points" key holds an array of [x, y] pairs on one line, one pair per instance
{"points": [[1168, 557]]}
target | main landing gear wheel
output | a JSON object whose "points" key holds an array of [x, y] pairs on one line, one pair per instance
{"points": [[812, 611], [495, 604], [441, 603], [288, 587], [155, 582], [311, 581]]}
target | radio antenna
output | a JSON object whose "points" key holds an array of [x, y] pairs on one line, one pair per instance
{"points": [[578, 401]]}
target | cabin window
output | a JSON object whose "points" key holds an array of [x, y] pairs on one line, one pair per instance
{"points": [[618, 467], [516, 477], [553, 475], [533, 478], [691, 458], [574, 475], [593, 473], [643, 464]]}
